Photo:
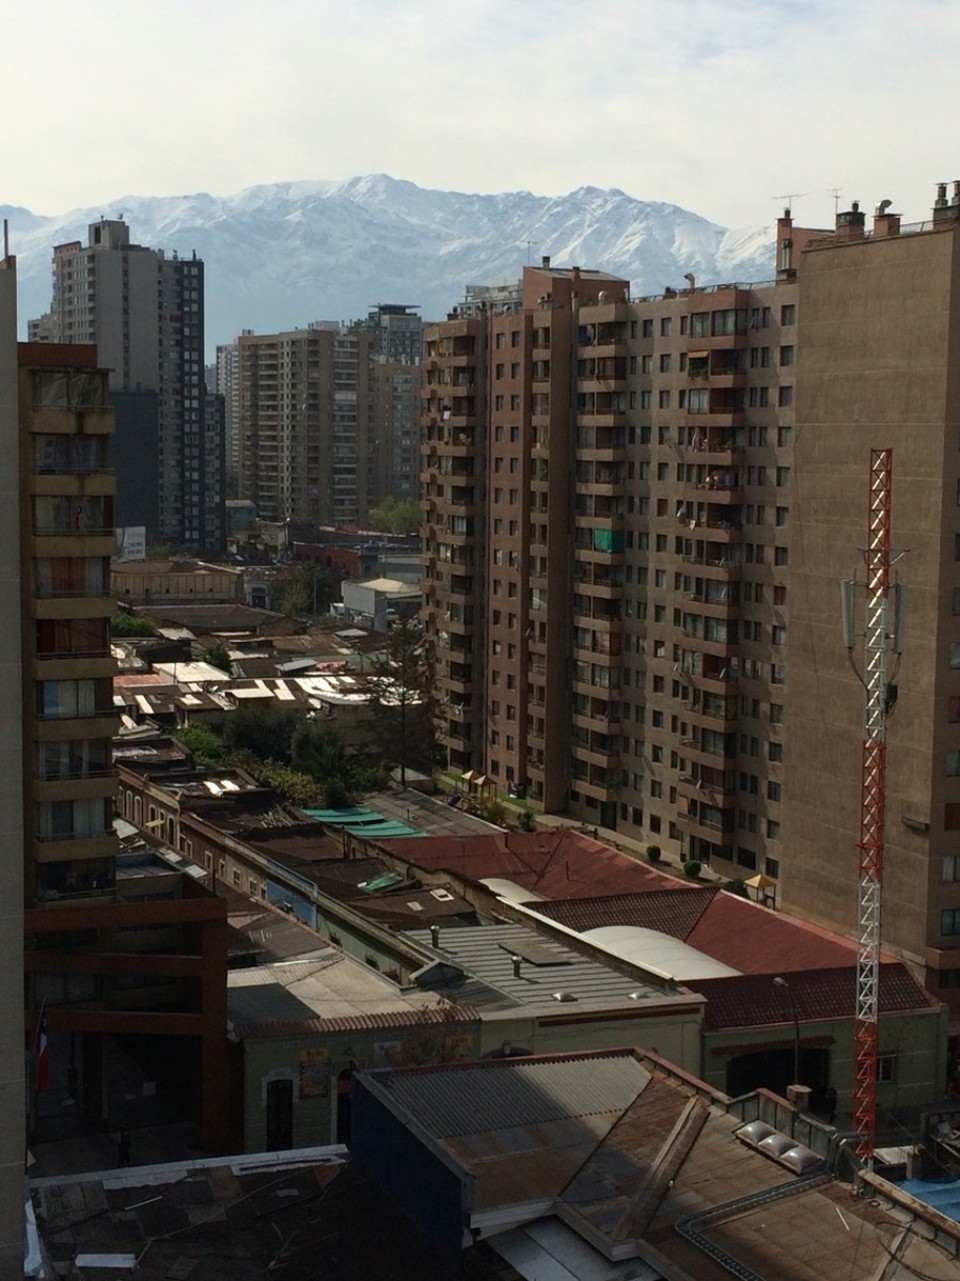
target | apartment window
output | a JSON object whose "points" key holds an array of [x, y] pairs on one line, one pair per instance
{"points": [[951, 817], [498, 371], [666, 326], [952, 764], [656, 789], [773, 829], [950, 868], [656, 720], [773, 791], [950, 920], [647, 328], [782, 515], [515, 338], [775, 752], [786, 356], [781, 556], [776, 715], [665, 363], [663, 400], [778, 634], [646, 402], [783, 476], [788, 314], [953, 709], [785, 397], [498, 432], [784, 435], [515, 370], [886, 1067]]}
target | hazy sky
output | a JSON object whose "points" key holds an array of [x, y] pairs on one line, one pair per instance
{"points": [[723, 106]]}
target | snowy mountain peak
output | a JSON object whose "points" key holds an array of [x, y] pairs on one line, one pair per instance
{"points": [[282, 254]]}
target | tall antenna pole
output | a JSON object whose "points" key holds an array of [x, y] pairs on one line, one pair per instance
{"points": [[875, 645]]}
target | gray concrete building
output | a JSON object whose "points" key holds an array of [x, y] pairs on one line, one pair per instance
{"points": [[143, 309]]}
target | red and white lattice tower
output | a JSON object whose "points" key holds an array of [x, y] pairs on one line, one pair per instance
{"points": [[876, 640]]}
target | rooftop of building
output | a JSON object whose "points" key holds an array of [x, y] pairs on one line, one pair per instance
{"points": [[638, 1161], [503, 966], [554, 864], [745, 935], [56, 355], [307, 1214], [213, 618], [327, 992], [156, 566]]}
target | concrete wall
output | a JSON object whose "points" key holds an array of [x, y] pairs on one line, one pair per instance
{"points": [[878, 369]]}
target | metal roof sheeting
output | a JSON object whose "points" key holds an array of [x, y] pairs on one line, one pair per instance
{"points": [[516, 1094]]}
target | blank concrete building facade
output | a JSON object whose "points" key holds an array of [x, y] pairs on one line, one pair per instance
{"points": [[636, 516], [144, 312]]}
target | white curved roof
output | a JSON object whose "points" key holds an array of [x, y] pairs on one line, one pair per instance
{"points": [[651, 948], [510, 890]]}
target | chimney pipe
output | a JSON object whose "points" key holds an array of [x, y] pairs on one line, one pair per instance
{"points": [[435, 935], [545, 261], [516, 965]]}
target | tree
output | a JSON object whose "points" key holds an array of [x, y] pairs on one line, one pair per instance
{"points": [[404, 719], [395, 516], [305, 588], [267, 732], [127, 625], [218, 656], [202, 743]]}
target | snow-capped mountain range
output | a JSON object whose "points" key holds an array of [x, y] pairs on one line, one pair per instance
{"points": [[281, 255]]}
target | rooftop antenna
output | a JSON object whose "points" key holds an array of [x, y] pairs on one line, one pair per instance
{"points": [[790, 197], [835, 192], [529, 244]]}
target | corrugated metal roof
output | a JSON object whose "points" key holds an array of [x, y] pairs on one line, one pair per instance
{"points": [[516, 1094], [485, 952]]}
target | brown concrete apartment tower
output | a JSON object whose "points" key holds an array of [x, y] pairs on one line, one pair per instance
{"points": [[12, 1091], [879, 343]]}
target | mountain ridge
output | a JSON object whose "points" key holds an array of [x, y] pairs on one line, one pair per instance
{"points": [[279, 255]]}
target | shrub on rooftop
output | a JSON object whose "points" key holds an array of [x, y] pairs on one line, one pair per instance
{"points": [[654, 853], [691, 869]]}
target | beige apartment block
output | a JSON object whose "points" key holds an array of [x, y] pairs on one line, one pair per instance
{"points": [[879, 369]]}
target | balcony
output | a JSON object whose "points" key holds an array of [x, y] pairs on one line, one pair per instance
{"points": [[695, 789]]}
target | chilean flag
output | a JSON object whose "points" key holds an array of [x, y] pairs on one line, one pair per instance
{"points": [[43, 1057]]}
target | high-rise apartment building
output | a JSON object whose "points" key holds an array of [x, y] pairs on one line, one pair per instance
{"points": [[144, 312], [606, 505], [12, 1094], [113, 956], [636, 517], [879, 327], [323, 422]]}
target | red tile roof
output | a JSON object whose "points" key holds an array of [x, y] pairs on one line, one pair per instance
{"points": [[558, 865], [756, 1001], [664, 910], [741, 933]]}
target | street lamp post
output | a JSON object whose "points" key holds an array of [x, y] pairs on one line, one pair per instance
{"points": [[782, 982]]}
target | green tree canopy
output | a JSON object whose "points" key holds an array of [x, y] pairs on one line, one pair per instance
{"points": [[267, 732], [403, 721], [395, 516], [218, 656], [123, 625]]}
